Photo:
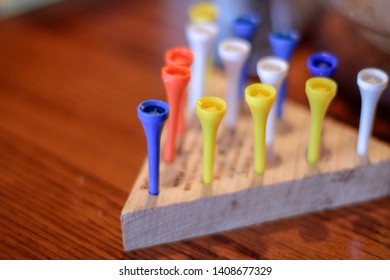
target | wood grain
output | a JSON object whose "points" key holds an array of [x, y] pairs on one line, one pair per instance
{"points": [[71, 146]]}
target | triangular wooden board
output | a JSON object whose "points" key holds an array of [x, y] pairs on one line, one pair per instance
{"points": [[185, 208]]}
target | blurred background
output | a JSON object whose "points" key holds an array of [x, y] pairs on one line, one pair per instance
{"points": [[51, 37], [9, 8]]}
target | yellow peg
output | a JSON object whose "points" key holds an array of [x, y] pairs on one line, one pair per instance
{"points": [[202, 12], [260, 98], [210, 111], [320, 92]]}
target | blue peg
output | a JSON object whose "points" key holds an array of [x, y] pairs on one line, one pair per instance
{"points": [[153, 114], [245, 27], [322, 64], [283, 45]]}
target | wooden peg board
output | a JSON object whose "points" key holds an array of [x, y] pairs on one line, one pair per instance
{"points": [[185, 208]]}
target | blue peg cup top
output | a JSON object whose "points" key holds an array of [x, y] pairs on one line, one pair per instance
{"points": [[322, 64], [245, 26], [283, 44], [153, 111]]}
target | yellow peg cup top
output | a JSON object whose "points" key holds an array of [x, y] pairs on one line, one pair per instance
{"points": [[320, 91], [202, 12], [260, 96], [211, 108]]}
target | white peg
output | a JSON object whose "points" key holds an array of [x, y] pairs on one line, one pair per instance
{"points": [[200, 37], [371, 82], [272, 71], [233, 53]]}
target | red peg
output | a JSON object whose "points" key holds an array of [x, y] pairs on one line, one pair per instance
{"points": [[181, 56], [175, 79]]}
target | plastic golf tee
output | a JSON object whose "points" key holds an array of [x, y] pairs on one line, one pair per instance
{"points": [[153, 114], [200, 37], [210, 111], [245, 27], [182, 57], [322, 64], [260, 98], [283, 45], [202, 12], [320, 92], [371, 82], [175, 79], [272, 71], [233, 53]]}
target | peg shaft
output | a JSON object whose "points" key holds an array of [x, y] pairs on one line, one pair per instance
{"points": [[320, 92], [210, 111], [180, 56], [272, 71], [153, 114], [175, 79], [200, 37], [233, 53], [260, 98], [372, 82], [283, 45]]}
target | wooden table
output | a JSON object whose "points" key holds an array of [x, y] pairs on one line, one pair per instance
{"points": [[71, 146]]}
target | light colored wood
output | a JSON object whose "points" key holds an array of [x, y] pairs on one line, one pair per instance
{"points": [[185, 208]]}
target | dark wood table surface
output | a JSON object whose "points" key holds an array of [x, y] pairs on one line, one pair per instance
{"points": [[71, 76]]}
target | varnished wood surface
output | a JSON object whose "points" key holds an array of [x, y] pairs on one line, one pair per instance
{"points": [[71, 146]]}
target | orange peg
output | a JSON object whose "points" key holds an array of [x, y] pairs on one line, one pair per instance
{"points": [[175, 79], [181, 56]]}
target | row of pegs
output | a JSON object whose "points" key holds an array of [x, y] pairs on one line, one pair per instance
{"points": [[260, 98], [265, 99]]}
